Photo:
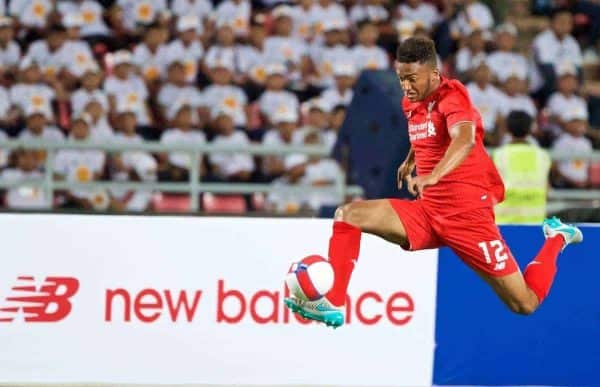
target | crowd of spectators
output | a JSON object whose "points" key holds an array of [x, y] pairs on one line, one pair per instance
{"points": [[241, 72]]}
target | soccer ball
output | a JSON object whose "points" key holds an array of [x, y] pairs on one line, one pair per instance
{"points": [[311, 278]]}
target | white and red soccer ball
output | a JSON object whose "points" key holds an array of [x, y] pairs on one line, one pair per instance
{"points": [[310, 278]]}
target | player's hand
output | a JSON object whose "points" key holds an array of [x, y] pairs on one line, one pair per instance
{"points": [[404, 173], [419, 183]]}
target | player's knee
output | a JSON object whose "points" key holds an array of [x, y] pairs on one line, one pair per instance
{"points": [[348, 213], [523, 307]]}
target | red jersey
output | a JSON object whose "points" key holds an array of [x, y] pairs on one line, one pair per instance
{"points": [[475, 182]]}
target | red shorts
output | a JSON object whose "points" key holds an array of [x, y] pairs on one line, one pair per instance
{"points": [[472, 235]]}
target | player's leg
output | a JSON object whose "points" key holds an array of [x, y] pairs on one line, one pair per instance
{"points": [[397, 221], [477, 240]]}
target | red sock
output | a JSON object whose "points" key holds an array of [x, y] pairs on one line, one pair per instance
{"points": [[540, 272], [344, 246]]}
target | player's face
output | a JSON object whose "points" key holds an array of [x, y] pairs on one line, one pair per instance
{"points": [[417, 80]]}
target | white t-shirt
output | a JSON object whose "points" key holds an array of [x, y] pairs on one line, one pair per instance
{"points": [[333, 97], [489, 103], [141, 11], [49, 62], [189, 55], [232, 163], [237, 14], [272, 137], [11, 55], [79, 165], [324, 170], [91, 15], [101, 131], [50, 133], [576, 169], [130, 92], [24, 95], [303, 22], [558, 104], [284, 49], [505, 64], [152, 64], [24, 197], [81, 97], [232, 97], [374, 13], [270, 101], [242, 57], [171, 94], [518, 102], [325, 57], [549, 50], [466, 60], [425, 14], [475, 16], [320, 14], [31, 13], [177, 136], [370, 58], [200, 8]]}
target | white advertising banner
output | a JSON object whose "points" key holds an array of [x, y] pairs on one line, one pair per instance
{"points": [[199, 300]]}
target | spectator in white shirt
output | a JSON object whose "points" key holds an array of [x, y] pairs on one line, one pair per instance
{"points": [[76, 53], [31, 91], [275, 94], [237, 12], [10, 52], [141, 12], [178, 92], [423, 14], [471, 55], [283, 46], [488, 101], [91, 88], [32, 14], [284, 122], [187, 48], [81, 166], [516, 98], [175, 166], [234, 167], [124, 88], [100, 129], [472, 15], [91, 12], [130, 165], [202, 9], [573, 173], [325, 11], [24, 197], [371, 10], [555, 47], [222, 93], [366, 54], [333, 50], [341, 93], [565, 98], [38, 128], [303, 20], [504, 62], [318, 113], [50, 54], [150, 55]]}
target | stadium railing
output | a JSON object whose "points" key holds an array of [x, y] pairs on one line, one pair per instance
{"points": [[193, 186], [558, 198]]}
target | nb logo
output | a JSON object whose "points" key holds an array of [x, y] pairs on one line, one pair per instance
{"points": [[50, 303]]}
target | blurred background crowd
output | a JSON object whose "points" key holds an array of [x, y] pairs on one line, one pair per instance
{"points": [[270, 72]]}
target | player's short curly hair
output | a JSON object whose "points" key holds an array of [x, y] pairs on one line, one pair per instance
{"points": [[418, 49]]}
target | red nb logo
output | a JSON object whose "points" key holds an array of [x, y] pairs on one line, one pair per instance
{"points": [[49, 303]]}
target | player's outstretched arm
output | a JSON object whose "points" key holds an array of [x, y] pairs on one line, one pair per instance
{"points": [[463, 140], [406, 168]]}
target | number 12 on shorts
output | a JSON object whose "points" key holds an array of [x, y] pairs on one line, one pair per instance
{"points": [[496, 247]]}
